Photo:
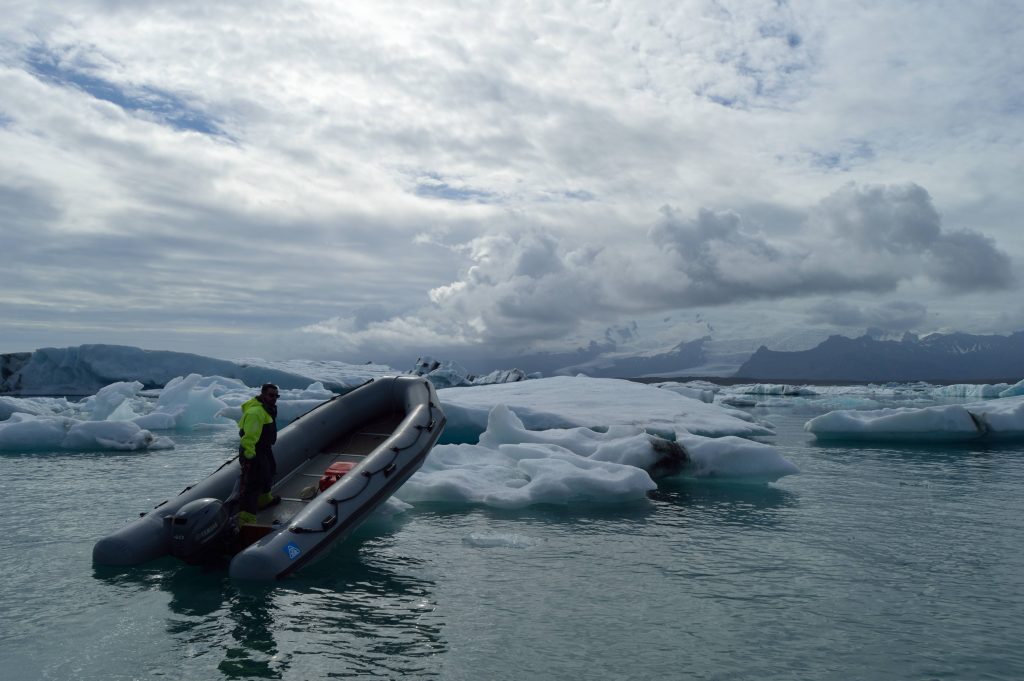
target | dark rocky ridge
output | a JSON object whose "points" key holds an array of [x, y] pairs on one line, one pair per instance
{"points": [[939, 358]]}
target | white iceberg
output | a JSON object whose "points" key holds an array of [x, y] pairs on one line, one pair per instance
{"points": [[1013, 390], [688, 390], [568, 402], [971, 390], [513, 467], [1000, 419], [25, 432]]}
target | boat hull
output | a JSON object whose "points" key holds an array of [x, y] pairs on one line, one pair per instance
{"points": [[386, 428]]}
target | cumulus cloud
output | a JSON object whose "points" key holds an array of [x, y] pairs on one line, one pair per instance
{"points": [[523, 287], [965, 260], [490, 175], [894, 218], [900, 225]]}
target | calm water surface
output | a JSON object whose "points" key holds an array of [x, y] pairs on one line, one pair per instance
{"points": [[875, 563]]}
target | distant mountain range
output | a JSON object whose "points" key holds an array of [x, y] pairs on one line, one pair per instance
{"points": [[623, 364], [84, 369], [956, 357], [937, 358]]}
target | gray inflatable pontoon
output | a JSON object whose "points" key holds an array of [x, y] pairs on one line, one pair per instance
{"points": [[384, 429]]}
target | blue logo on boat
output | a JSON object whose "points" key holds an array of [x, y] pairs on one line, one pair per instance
{"points": [[293, 551]]}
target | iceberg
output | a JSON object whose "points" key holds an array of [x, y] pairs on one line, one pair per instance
{"points": [[39, 406], [573, 401], [696, 392], [25, 432], [972, 390], [452, 374], [1000, 419], [734, 459], [773, 389], [513, 467], [1013, 390]]}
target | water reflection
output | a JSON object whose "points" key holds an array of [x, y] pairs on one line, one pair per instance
{"points": [[252, 651], [359, 611], [732, 503]]}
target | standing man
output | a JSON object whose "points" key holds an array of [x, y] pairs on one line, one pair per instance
{"points": [[258, 430]]}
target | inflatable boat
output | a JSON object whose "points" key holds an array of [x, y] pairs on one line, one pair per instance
{"points": [[335, 465]]}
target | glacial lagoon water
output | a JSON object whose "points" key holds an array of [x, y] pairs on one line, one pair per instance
{"points": [[877, 562]]}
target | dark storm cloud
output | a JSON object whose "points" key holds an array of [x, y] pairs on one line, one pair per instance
{"points": [[893, 316], [968, 261]]}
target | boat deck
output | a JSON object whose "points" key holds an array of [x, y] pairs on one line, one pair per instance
{"points": [[302, 486]]}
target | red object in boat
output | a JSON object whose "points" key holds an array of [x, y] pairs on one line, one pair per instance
{"points": [[335, 472]]}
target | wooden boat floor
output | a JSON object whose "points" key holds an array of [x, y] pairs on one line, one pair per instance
{"points": [[302, 486]]}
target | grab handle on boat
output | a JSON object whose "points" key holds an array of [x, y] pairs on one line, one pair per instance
{"points": [[328, 522]]}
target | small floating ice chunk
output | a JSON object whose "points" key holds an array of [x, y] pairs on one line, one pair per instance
{"points": [[116, 435], [735, 459], [972, 390], [157, 420], [190, 401], [315, 391], [738, 401], [111, 398], [28, 432], [773, 389], [686, 390], [24, 432], [37, 406], [1013, 390], [946, 423], [500, 540]]}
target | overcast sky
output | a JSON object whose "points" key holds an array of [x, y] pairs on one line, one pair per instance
{"points": [[374, 180]]}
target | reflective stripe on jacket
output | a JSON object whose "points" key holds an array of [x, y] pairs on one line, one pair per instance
{"points": [[250, 426]]}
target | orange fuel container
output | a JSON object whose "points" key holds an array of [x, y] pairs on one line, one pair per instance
{"points": [[335, 472]]}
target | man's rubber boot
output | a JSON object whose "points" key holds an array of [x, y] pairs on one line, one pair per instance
{"points": [[268, 499], [246, 518]]}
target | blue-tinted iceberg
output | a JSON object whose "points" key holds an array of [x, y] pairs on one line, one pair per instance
{"points": [[1001, 419]]}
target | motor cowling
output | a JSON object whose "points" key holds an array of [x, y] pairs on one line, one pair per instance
{"points": [[201, 531]]}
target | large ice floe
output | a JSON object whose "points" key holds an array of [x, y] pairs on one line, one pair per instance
{"points": [[567, 439], [512, 467], [572, 401], [998, 419]]}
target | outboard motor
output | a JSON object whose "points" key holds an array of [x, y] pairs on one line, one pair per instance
{"points": [[201, 531]]}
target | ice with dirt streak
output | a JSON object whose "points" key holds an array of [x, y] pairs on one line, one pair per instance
{"points": [[513, 467], [998, 419]]}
